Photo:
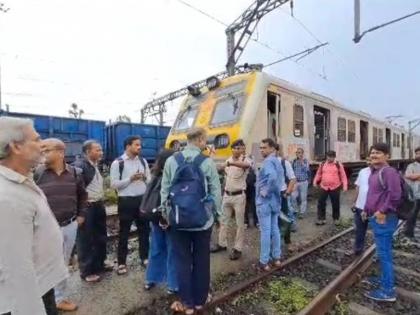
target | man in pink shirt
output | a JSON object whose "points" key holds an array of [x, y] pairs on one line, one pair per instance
{"points": [[331, 177]]}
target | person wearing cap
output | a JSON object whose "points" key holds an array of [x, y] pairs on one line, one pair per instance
{"points": [[234, 199]]}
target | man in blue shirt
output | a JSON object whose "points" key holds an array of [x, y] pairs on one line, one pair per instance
{"points": [[268, 201]]}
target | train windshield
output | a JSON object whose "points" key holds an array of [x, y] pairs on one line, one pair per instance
{"points": [[228, 108], [186, 118]]}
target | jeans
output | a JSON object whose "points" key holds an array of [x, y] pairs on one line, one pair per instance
{"points": [[300, 195], [192, 264], [361, 229], [128, 212], [411, 221], [270, 246], [335, 202], [383, 239], [69, 236], [161, 267], [91, 241]]}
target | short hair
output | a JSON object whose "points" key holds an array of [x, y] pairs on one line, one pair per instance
{"points": [[331, 153], [237, 143], [277, 147], [87, 145], [382, 147], [301, 149], [161, 158], [271, 143], [417, 150], [58, 143], [130, 139], [12, 130], [196, 133]]}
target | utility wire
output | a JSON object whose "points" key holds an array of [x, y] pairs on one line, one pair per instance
{"points": [[305, 53]]}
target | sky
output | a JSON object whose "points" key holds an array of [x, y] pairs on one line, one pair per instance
{"points": [[111, 57]]}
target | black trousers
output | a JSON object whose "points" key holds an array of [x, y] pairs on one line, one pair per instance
{"points": [[335, 202], [49, 303], [250, 208], [285, 227], [192, 262], [128, 212], [91, 241], [412, 219]]}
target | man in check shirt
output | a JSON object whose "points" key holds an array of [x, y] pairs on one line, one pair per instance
{"points": [[331, 177]]}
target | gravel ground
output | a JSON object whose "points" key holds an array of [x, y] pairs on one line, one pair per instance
{"points": [[116, 295]]}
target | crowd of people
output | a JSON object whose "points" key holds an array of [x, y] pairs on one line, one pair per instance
{"points": [[53, 207]]}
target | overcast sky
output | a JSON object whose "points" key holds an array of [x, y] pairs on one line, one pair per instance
{"points": [[111, 57]]}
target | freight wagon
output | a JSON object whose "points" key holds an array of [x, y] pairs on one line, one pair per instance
{"points": [[75, 131]]}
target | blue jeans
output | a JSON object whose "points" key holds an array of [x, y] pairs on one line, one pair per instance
{"points": [[361, 228], [270, 246], [383, 239], [161, 267], [300, 194], [192, 262]]}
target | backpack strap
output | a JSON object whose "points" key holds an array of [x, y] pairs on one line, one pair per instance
{"points": [[381, 177], [337, 164], [120, 166], [283, 164], [199, 159], [179, 158], [142, 161]]}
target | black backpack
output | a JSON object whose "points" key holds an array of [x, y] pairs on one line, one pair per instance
{"points": [[407, 197], [151, 200], [121, 165], [286, 178]]}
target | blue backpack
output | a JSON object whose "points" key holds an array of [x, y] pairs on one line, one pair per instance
{"points": [[187, 194]]}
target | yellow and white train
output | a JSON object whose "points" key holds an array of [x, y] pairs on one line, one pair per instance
{"points": [[256, 105]]}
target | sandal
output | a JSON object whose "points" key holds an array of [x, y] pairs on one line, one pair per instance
{"points": [[122, 270], [263, 267], [277, 263], [92, 278], [178, 307], [149, 286]]}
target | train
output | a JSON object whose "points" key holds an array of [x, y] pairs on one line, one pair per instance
{"points": [[111, 136], [256, 105]]}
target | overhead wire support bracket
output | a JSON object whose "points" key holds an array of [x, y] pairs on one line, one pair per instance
{"points": [[246, 25]]}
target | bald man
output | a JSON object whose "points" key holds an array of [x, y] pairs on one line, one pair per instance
{"points": [[67, 197]]}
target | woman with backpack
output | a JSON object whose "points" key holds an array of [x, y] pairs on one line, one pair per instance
{"points": [[161, 267]]}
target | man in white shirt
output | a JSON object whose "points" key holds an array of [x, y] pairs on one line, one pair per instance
{"points": [[31, 243], [360, 219], [129, 175]]}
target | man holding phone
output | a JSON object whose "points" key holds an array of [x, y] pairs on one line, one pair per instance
{"points": [[129, 175]]}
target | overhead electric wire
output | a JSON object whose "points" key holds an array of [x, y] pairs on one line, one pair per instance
{"points": [[305, 53]]}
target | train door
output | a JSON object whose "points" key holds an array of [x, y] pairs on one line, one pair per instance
{"points": [[364, 139], [273, 116], [388, 138], [403, 146], [322, 132]]}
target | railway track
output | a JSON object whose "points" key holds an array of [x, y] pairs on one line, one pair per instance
{"points": [[319, 280]]}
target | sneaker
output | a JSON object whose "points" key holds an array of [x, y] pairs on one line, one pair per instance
{"points": [[235, 254], [171, 292], [373, 281], [300, 216], [320, 222], [66, 306], [380, 296], [293, 228], [149, 286], [144, 262], [218, 248]]}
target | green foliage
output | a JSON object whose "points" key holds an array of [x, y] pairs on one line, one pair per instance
{"points": [[111, 197], [288, 297]]}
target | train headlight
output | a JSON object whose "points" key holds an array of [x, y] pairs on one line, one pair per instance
{"points": [[221, 141], [212, 83]]}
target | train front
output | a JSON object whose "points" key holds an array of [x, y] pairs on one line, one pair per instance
{"points": [[218, 107]]}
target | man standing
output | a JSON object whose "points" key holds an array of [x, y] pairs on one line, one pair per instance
{"points": [[234, 199], [331, 177], [66, 195], [270, 181], [129, 175], [92, 235], [302, 172], [360, 217], [412, 174], [31, 244], [384, 196], [192, 245]]}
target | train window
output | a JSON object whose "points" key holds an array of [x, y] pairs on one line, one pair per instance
{"points": [[228, 109], [341, 130], [186, 119], [351, 136], [298, 119], [394, 139], [375, 135], [380, 135], [398, 141]]}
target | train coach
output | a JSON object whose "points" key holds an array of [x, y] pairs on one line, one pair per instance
{"points": [[256, 105]]}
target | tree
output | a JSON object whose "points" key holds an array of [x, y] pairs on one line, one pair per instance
{"points": [[75, 112], [123, 118]]}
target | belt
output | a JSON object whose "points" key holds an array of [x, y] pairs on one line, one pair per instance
{"points": [[67, 222], [95, 203], [300, 181], [234, 193]]}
